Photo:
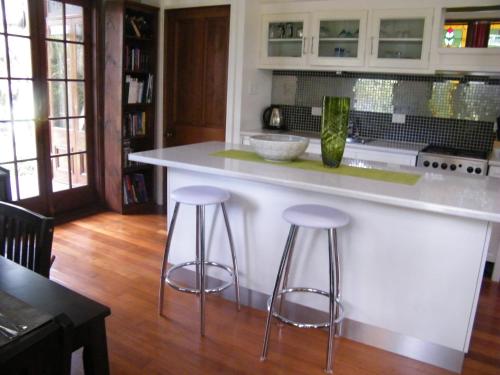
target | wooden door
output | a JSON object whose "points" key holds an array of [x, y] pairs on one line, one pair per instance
{"points": [[196, 55]]}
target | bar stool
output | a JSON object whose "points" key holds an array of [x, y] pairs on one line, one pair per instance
{"points": [[317, 217], [199, 196]]}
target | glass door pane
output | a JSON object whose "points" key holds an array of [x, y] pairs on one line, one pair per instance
{"points": [[66, 76], [338, 38], [285, 39], [401, 38], [18, 143]]}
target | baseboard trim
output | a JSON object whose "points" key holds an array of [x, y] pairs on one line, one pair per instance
{"points": [[381, 338]]}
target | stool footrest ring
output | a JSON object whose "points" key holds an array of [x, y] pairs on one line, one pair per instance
{"points": [[302, 324], [185, 289]]}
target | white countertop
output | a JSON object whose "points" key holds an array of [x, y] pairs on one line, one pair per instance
{"points": [[463, 196], [408, 148]]}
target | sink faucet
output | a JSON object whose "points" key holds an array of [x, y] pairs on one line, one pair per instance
{"points": [[353, 131]]}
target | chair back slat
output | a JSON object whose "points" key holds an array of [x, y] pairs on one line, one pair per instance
{"points": [[26, 237]]}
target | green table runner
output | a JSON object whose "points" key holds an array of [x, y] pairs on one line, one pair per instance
{"points": [[316, 165]]}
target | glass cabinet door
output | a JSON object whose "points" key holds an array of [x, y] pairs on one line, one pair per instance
{"points": [[283, 39], [400, 38], [338, 38]]}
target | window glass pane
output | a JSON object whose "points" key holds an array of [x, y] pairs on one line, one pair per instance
{"points": [[77, 134], [55, 56], [12, 171], [6, 146], [58, 140], [75, 61], [76, 99], [494, 38], [4, 100], [25, 137], [60, 175], [16, 13], [79, 170], [20, 57], [28, 179], [74, 23], [3, 57], [54, 20], [22, 100], [57, 99]]}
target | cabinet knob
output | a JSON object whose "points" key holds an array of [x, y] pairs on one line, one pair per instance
{"points": [[169, 134]]}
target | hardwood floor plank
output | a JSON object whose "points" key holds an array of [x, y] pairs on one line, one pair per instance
{"points": [[116, 260]]}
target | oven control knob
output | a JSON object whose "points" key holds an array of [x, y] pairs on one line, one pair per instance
{"points": [[444, 166], [453, 167], [435, 164], [478, 170], [427, 163], [470, 169]]}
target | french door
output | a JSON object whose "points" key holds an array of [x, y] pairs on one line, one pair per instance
{"points": [[46, 102]]}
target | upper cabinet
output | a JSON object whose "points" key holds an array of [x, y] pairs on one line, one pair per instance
{"points": [[338, 38], [304, 39], [400, 38], [283, 39]]}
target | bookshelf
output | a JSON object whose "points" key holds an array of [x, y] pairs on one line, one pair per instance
{"points": [[131, 43]]}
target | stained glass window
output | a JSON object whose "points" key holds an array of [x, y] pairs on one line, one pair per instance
{"points": [[454, 35]]}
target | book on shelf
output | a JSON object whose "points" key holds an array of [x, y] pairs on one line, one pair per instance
{"points": [[126, 151], [134, 189], [137, 26], [138, 90], [135, 124], [136, 59]]}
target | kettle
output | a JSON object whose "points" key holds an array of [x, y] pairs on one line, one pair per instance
{"points": [[273, 118]]}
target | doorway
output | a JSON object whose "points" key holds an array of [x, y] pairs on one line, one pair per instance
{"points": [[196, 69], [46, 103]]}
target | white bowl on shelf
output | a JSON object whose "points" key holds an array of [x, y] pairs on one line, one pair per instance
{"points": [[279, 147]]}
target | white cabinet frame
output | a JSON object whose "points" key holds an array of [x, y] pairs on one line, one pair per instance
{"points": [[317, 17], [283, 18], [374, 39]]}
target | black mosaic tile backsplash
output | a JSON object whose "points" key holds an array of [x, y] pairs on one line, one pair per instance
{"points": [[442, 110]]}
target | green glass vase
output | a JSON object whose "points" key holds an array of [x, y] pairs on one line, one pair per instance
{"points": [[334, 124]]}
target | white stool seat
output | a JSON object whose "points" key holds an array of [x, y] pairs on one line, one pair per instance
{"points": [[315, 216], [200, 195]]}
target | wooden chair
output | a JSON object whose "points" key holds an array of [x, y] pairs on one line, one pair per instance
{"points": [[26, 238], [46, 350]]}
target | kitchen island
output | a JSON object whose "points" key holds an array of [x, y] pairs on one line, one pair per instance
{"points": [[412, 257]]}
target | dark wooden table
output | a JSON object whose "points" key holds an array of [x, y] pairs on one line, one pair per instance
{"points": [[50, 297]]}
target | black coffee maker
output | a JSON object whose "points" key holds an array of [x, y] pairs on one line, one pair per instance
{"points": [[273, 118]]}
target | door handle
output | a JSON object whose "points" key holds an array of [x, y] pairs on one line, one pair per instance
{"points": [[304, 49], [312, 45], [371, 45]]}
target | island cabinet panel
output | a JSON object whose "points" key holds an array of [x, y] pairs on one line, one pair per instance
{"points": [[412, 256]]}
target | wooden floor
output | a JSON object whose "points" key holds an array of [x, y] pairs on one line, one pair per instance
{"points": [[116, 260]]}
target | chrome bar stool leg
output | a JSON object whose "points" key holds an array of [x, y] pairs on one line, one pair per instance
{"points": [[197, 265], [202, 269], [233, 256], [165, 257], [338, 326], [332, 300], [285, 279], [284, 258]]}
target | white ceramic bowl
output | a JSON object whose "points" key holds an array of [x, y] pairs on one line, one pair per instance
{"points": [[279, 147]]}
